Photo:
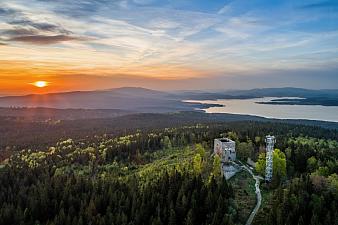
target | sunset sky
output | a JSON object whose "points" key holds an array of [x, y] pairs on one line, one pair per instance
{"points": [[167, 44]]}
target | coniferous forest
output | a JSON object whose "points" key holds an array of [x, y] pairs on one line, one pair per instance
{"points": [[170, 176], [168, 112]]}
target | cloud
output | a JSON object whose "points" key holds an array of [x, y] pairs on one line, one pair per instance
{"points": [[7, 11], [32, 27], [143, 2], [41, 26], [26, 22], [44, 40], [224, 9], [130, 35], [321, 5], [19, 32], [165, 24]]}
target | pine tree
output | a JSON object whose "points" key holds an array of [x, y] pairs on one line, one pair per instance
{"points": [[189, 219], [172, 217]]}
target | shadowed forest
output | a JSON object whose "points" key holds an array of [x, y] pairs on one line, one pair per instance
{"points": [[155, 175]]}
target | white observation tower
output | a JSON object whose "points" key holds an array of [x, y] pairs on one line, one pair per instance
{"points": [[270, 142]]}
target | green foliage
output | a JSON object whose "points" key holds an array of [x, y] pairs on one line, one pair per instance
{"points": [[175, 159], [216, 170], [279, 165], [115, 180], [323, 171], [332, 181], [175, 198], [200, 150], [189, 219], [301, 202], [167, 143], [161, 176], [260, 164], [306, 154], [311, 163], [244, 150], [315, 193], [258, 140], [232, 135], [197, 164], [288, 153], [245, 196]]}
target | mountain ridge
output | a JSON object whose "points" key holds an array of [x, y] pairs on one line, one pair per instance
{"points": [[147, 100]]}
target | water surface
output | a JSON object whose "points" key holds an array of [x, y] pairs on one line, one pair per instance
{"points": [[250, 107]]}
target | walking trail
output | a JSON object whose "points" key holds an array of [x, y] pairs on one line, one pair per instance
{"points": [[258, 195]]}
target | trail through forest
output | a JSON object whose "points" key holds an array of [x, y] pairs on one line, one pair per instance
{"points": [[258, 195]]}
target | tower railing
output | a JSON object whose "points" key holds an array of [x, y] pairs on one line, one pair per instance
{"points": [[270, 142]]}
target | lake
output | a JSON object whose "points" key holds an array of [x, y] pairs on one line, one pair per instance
{"points": [[250, 107]]}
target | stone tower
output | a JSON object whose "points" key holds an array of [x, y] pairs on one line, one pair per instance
{"points": [[226, 149]]}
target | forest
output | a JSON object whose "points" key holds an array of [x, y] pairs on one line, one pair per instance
{"points": [[155, 175]]}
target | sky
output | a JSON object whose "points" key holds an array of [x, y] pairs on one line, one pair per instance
{"points": [[167, 44]]}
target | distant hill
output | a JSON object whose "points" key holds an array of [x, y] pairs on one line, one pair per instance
{"points": [[129, 98], [323, 97], [138, 91], [285, 92], [264, 92], [139, 99]]}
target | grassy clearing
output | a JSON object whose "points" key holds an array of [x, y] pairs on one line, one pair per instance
{"points": [[166, 160], [266, 204], [160, 162], [245, 196]]}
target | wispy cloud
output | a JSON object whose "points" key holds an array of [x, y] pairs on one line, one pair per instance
{"points": [[4, 11], [41, 26], [321, 5], [19, 32], [44, 40], [224, 9], [186, 37]]}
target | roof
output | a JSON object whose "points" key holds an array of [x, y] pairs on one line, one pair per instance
{"points": [[225, 140]]}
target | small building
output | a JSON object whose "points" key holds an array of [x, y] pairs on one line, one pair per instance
{"points": [[226, 149], [229, 170]]}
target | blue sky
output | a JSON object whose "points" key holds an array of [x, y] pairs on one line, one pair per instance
{"points": [[265, 43]]}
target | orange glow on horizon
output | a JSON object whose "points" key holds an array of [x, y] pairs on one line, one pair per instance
{"points": [[21, 77]]}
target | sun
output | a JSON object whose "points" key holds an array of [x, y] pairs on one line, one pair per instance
{"points": [[40, 84]]}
